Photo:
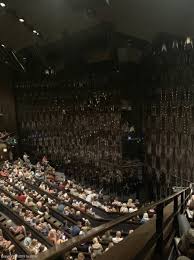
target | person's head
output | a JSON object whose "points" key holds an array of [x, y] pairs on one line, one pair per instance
{"points": [[182, 257], [29, 234], [78, 213], [145, 215], [95, 240], [107, 233], [118, 234], [80, 256], [9, 223], [34, 243], [41, 248]]}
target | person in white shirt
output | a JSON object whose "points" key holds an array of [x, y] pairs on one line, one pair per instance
{"points": [[25, 157], [133, 209], [145, 218], [117, 238], [90, 197], [124, 208], [116, 202]]}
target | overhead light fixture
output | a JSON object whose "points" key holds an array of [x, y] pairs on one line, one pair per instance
{"points": [[4, 150], [2, 4], [21, 20], [2, 45]]}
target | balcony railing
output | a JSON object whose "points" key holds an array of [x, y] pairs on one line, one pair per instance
{"points": [[152, 239]]}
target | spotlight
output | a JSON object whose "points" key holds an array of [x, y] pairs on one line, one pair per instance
{"points": [[21, 20], [188, 40], [4, 150], [35, 32], [3, 5]]}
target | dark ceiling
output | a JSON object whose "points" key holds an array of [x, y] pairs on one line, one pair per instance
{"points": [[51, 18], [76, 24]]}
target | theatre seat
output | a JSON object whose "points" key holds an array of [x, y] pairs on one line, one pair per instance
{"points": [[20, 237]]}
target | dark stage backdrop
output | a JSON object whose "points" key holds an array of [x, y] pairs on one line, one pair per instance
{"points": [[7, 103]]}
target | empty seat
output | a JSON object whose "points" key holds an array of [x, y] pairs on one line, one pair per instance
{"points": [[20, 237], [51, 219], [2, 218], [58, 224]]}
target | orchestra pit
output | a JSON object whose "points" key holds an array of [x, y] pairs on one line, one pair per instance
{"points": [[97, 130]]}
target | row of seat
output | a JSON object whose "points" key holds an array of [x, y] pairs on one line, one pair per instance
{"points": [[16, 239], [51, 220], [33, 188], [95, 221]]}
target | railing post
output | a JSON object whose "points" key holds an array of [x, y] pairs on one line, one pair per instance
{"points": [[175, 216], [182, 202], [159, 229]]}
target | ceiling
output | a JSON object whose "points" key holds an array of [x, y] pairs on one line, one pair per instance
{"points": [[57, 21], [146, 18], [52, 18]]}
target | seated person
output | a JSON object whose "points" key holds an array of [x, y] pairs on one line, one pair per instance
{"points": [[21, 197], [191, 203], [75, 229], [186, 244], [118, 238], [132, 208], [107, 237], [18, 230], [110, 245], [96, 248], [124, 208], [5, 244], [52, 236], [116, 202], [145, 218], [34, 247], [80, 256], [61, 207], [28, 239]]}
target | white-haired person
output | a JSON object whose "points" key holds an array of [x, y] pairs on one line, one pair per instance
{"points": [[118, 238], [96, 248]]}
